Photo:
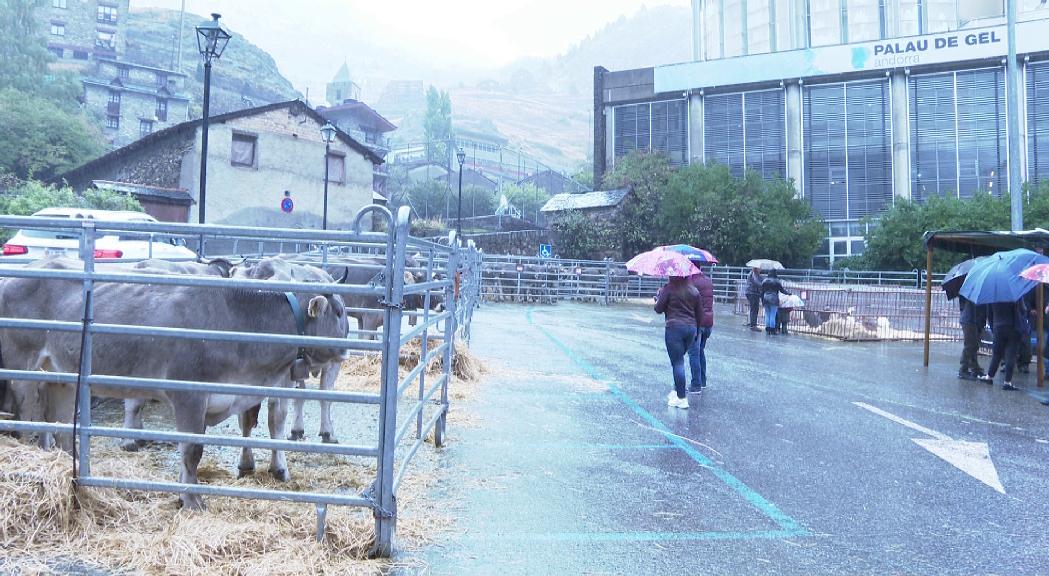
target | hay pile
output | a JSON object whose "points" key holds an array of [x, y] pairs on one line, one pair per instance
{"points": [[363, 372], [145, 532]]}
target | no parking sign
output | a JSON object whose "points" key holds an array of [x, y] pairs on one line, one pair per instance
{"points": [[287, 204]]}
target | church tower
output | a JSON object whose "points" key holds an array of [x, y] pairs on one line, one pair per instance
{"points": [[342, 87]]}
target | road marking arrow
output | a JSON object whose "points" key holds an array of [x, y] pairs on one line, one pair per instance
{"points": [[973, 458]]}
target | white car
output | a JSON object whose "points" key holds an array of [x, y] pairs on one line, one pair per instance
{"points": [[32, 244]]}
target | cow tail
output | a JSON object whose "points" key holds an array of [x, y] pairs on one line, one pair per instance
{"points": [[4, 383]]}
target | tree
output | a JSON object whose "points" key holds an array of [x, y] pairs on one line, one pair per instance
{"points": [[739, 218], [584, 172], [528, 198], [28, 197], [429, 198], [38, 139], [24, 58], [636, 227], [437, 125], [579, 237]]}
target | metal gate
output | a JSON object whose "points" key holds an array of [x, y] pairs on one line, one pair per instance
{"points": [[426, 401]]}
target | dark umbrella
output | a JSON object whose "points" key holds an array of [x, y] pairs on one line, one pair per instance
{"points": [[996, 278], [952, 282]]}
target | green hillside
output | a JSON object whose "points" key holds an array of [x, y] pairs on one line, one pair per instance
{"points": [[245, 75]]}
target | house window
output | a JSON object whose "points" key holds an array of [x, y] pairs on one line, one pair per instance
{"points": [[58, 3], [79, 54], [145, 128], [105, 40], [162, 80], [125, 73], [242, 152], [113, 122], [107, 14], [58, 29], [162, 109], [336, 169], [57, 51], [113, 106]]}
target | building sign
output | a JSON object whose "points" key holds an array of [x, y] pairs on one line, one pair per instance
{"points": [[954, 46]]}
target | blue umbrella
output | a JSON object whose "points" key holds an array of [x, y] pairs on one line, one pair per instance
{"points": [[996, 278]]}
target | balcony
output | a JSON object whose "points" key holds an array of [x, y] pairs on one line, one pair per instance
{"points": [[113, 108], [162, 114]]}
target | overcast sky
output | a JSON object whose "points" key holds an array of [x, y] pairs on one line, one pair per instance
{"points": [[449, 34]]}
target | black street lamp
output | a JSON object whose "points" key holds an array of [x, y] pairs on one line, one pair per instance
{"points": [[461, 156], [328, 133], [211, 41]]}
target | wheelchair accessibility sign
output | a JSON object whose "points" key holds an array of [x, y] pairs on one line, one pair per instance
{"points": [[546, 251]]}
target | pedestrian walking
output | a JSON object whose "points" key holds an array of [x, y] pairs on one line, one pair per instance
{"points": [[753, 293], [682, 306], [1008, 324], [697, 353], [771, 288], [972, 318]]}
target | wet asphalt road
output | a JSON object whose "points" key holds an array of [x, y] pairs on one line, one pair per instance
{"points": [[579, 467]]}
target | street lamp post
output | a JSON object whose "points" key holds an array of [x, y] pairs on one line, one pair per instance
{"points": [[461, 157], [211, 41], [328, 133]]}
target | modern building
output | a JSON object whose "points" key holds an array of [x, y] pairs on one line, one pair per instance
{"points": [[256, 157], [859, 102], [79, 31], [134, 100]]}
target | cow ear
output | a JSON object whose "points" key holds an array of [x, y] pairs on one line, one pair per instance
{"points": [[318, 305]]}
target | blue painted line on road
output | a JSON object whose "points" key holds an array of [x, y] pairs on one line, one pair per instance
{"points": [[784, 521], [628, 536]]}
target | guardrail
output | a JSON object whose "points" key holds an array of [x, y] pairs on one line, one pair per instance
{"points": [[385, 294]]}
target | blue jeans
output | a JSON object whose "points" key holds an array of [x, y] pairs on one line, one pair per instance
{"points": [[678, 340], [770, 316], [697, 359]]}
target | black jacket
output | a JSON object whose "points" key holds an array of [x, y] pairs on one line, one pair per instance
{"points": [[771, 288]]}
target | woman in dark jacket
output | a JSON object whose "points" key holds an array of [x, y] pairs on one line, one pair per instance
{"points": [[680, 302], [753, 294], [1008, 324], [771, 288]]}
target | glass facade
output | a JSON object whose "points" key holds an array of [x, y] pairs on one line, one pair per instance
{"points": [[958, 133], [656, 126], [1038, 122], [848, 149], [746, 130]]}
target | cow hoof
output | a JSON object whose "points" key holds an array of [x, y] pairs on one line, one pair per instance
{"points": [[192, 502], [281, 475], [132, 445], [326, 438], [297, 435], [242, 472]]}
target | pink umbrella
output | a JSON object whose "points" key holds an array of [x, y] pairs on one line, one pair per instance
{"points": [[1038, 273], [661, 262]]}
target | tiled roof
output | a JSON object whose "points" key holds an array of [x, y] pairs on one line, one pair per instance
{"points": [[599, 199], [173, 195]]}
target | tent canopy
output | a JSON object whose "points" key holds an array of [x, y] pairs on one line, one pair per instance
{"points": [[981, 243]]}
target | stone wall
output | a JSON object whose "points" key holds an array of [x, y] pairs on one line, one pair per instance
{"points": [[156, 165], [79, 19], [520, 243]]}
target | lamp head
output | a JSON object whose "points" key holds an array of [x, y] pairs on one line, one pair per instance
{"points": [[212, 39]]}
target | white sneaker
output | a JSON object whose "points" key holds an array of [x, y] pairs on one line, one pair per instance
{"points": [[682, 403], [672, 399]]}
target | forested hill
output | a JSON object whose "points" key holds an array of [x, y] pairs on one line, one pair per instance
{"points": [[245, 75]]}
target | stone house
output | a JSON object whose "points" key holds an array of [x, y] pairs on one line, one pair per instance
{"points": [[135, 100], [600, 206], [78, 31], [254, 156]]}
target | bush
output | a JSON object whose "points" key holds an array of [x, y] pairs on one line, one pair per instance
{"points": [[29, 197], [579, 237]]}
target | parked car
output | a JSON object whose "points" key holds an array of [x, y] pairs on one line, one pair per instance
{"points": [[32, 244]]}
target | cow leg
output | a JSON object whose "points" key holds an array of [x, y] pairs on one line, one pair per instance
{"points": [[372, 322], [248, 420], [61, 402], [133, 420], [328, 376], [298, 428], [277, 412], [189, 418]]}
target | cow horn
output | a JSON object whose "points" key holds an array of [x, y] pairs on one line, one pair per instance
{"points": [[345, 274]]}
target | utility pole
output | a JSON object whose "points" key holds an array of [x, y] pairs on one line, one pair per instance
{"points": [[1013, 80], [178, 51]]}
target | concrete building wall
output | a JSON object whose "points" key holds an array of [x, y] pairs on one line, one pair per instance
{"points": [[289, 156]]}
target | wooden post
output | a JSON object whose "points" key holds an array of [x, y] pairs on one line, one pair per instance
{"points": [[1041, 334], [928, 300]]}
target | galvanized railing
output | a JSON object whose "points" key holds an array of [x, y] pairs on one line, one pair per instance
{"points": [[425, 409]]}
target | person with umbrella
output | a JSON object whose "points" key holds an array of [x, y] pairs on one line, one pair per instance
{"points": [[996, 280], [972, 319], [697, 353], [753, 293], [771, 288], [680, 303]]}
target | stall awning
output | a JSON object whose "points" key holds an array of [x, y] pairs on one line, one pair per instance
{"points": [[982, 242]]}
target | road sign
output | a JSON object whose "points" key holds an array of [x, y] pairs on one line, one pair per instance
{"points": [[546, 250], [287, 205]]}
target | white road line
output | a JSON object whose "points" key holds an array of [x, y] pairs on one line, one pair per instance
{"points": [[907, 423]]}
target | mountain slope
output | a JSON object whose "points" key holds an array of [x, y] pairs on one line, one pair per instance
{"points": [[244, 76]]}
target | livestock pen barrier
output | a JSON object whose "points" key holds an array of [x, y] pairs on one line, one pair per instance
{"points": [[79, 340], [840, 304]]}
